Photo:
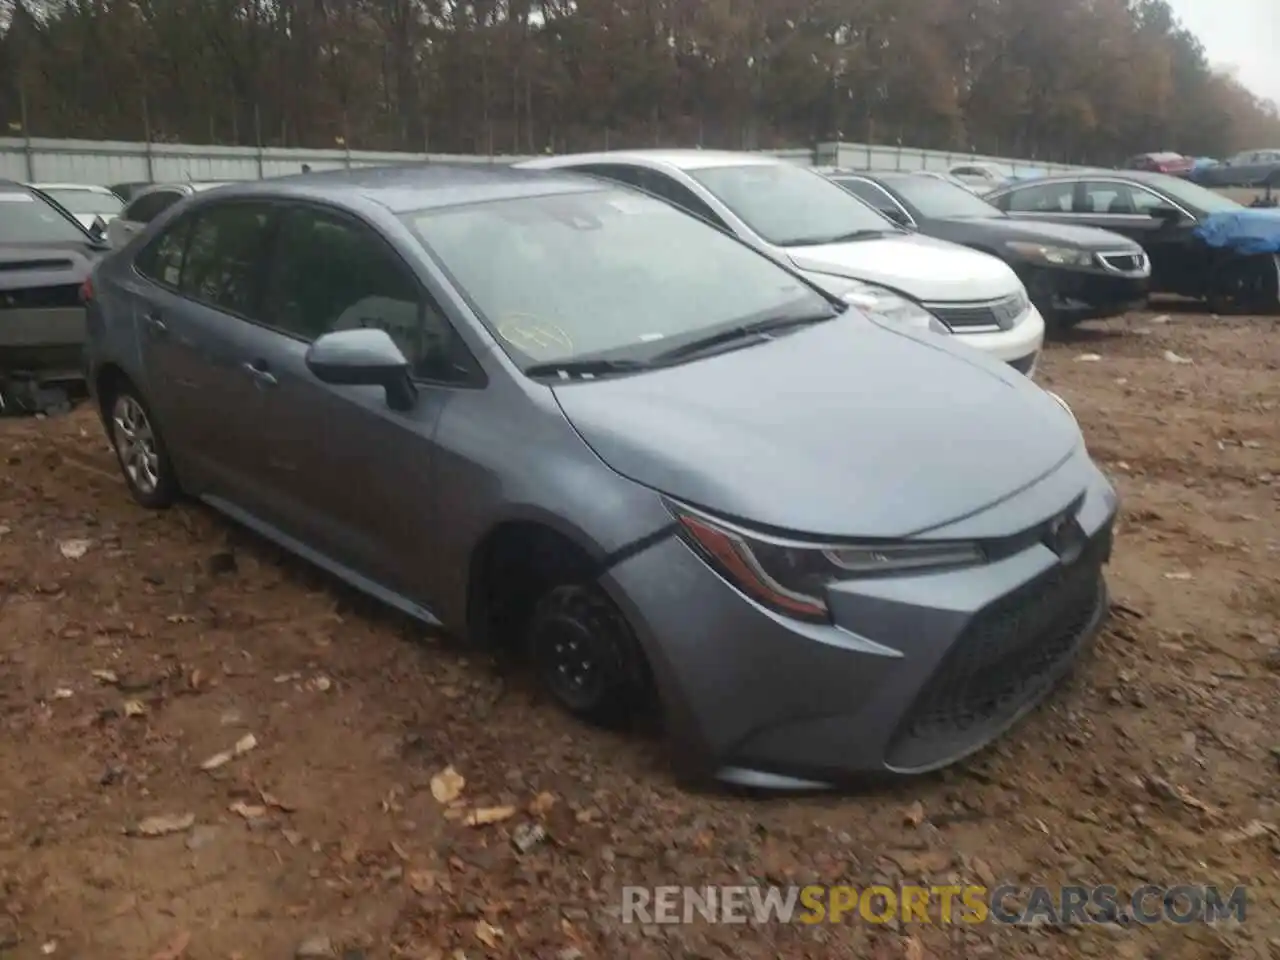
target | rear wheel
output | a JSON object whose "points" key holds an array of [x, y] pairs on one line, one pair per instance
{"points": [[140, 450]]}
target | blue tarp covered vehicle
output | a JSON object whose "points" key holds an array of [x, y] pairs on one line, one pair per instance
{"points": [[1245, 231]]}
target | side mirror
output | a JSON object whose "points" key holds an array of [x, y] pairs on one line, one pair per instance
{"points": [[364, 357], [1166, 213], [98, 229]]}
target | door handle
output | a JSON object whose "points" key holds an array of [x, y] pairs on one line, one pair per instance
{"points": [[155, 322], [260, 372]]}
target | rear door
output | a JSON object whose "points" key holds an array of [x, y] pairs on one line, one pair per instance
{"points": [[1042, 201], [196, 314]]}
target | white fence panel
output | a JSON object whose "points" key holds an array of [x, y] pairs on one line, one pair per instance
{"points": [[112, 161]]}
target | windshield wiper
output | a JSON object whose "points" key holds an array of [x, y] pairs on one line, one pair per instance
{"points": [[757, 330], [599, 367]]}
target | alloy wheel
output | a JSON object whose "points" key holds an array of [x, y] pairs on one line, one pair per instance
{"points": [[136, 445]]}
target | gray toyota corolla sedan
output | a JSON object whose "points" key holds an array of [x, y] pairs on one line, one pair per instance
{"points": [[550, 412]]}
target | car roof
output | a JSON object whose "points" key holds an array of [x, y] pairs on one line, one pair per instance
{"points": [[406, 189], [687, 159], [87, 187], [1138, 176]]}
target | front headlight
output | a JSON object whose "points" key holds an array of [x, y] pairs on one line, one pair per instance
{"points": [[791, 577], [1054, 256], [883, 303]]}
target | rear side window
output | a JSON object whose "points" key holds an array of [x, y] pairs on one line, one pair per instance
{"points": [[161, 259], [145, 209], [865, 190], [225, 256]]}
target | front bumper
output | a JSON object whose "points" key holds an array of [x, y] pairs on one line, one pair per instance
{"points": [[44, 341], [1018, 346], [917, 672], [1076, 295]]}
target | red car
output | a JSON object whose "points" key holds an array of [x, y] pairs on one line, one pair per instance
{"points": [[1174, 164]]}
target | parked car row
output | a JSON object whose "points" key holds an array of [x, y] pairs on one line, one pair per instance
{"points": [[685, 430], [1250, 168]]}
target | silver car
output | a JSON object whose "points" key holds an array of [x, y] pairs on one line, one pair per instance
{"points": [[551, 412]]}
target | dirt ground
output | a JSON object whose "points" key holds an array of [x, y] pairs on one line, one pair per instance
{"points": [[175, 637]]}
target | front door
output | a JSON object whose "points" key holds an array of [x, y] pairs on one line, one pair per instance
{"points": [[351, 477], [1129, 209]]}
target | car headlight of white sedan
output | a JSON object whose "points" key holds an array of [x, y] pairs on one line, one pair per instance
{"points": [[884, 303]]}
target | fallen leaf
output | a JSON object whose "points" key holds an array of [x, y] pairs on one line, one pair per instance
{"points": [[247, 810], [127, 905], [73, 549], [1250, 831], [487, 815], [180, 618], [913, 949], [63, 693], [1180, 575], [914, 814], [164, 824], [447, 785], [175, 947], [105, 676], [922, 862], [540, 805], [983, 870], [271, 800], [422, 882], [243, 746], [487, 934], [1089, 358], [135, 708]]}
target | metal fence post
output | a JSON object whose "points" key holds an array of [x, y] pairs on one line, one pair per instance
{"points": [[257, 137], [146, 136], [26, 134]]}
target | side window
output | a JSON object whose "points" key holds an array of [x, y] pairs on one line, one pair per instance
{"points": [[225, 256], [611, 171], [865, 190], [1144, 201], [161, 259], [332, 273], [1042, 198], [968, 172], [663, 186], [145, 209]]}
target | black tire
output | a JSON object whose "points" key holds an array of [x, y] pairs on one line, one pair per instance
{"points": [[152, 482], [586, 656]]}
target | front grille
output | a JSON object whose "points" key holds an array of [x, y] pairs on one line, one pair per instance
{"points": [[41, 298], [1007, 659], [10, 266], [1002, 313], [1124, 262]]}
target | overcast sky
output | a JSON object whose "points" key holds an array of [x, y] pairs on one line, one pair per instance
{"points": [[1244, 34]]}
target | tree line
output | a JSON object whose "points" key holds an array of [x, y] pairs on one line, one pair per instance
{"points": [[1086, 81]]}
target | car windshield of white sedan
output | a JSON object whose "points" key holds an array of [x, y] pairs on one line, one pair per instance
{"points": [[938, 200], [25, 218], [87, 201], [789, 206], [604, 273]]}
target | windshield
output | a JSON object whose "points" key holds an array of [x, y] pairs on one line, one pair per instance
{"points": [[561, 277], [938, 199], [87, 201], [1194, 195], [26, 218], [789, 206]]}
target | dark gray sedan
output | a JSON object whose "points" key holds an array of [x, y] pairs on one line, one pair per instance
{"points": [[550, 412]]}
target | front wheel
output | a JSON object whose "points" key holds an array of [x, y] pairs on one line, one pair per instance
{"points": [[140, 450], [586, 656]]}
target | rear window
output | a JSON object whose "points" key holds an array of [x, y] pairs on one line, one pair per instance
{"points": [[27, 218]]}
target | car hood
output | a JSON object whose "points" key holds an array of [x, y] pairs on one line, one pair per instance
{"points": [[926, 269], [993, 231], [849, 428], [43, 264]]}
